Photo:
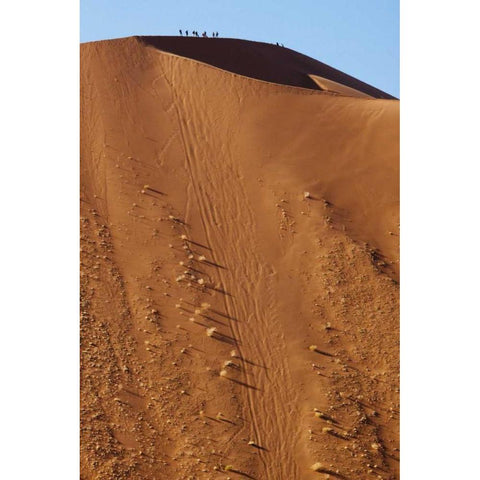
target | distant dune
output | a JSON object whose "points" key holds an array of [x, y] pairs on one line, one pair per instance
{"points": [[239, 265]]}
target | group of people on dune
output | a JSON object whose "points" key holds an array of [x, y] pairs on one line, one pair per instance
{"points": [[205, 35], [195, 34]]}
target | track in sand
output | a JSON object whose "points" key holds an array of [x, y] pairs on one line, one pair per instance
{"points": [[194, 216]]}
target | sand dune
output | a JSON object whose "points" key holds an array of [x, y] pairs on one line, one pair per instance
{"points": [[239, 265], [258, 60], [338, 88]]}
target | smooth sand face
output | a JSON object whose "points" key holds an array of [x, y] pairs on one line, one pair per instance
{"points": [[330, 86], [195, 215]]}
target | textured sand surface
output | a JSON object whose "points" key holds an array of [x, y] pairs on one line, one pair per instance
{"points": [[220, 303]]}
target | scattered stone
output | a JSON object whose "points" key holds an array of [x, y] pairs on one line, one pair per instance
{"points": [[211, 331]]}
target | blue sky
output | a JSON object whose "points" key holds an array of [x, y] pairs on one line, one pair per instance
{"points": [[359, 37]]}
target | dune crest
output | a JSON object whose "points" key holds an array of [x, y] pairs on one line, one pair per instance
{"points": [[239, 266], [335, 87], [262, 61]]}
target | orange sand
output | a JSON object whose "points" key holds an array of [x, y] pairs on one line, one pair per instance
{"points": [[195, 215]]}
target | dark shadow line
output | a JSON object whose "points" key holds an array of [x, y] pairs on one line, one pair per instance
{"points": [[243, 384], [234, 365], [363, 404], [243, 474], [195, 270], [199, 244], [333, 473], [338, 435], [227, 421], [329, 418], [212, 264], [228, 337], [252, 363], [178, 220], [197, 349], [389, 455], [200, 323], [260, 448], [132, 393], [156, 191], [186, 310], [225, 339], [196, 286], [211, 418], [223, 315], [150, 195], [218, 322], [321, 352], [219, 290], [213, 320]]}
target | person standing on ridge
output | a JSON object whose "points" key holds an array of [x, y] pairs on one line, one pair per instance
{"points": [[180, 32], [186, 33]]}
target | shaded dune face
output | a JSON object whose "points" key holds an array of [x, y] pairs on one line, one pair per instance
{"points": [[239, 267], [259, 60]]}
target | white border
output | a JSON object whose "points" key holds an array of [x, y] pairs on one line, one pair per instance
{"points": [[439, 240], [440, 264], [39, 195]]}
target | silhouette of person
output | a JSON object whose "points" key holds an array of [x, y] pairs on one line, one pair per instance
{"points": [[216, 34], [186, 33], [180, 32]]}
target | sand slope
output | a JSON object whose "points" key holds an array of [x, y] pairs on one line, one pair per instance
{"points": [[194, 217]]}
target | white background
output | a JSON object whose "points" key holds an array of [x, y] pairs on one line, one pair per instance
{"points": [[39, 182]]}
